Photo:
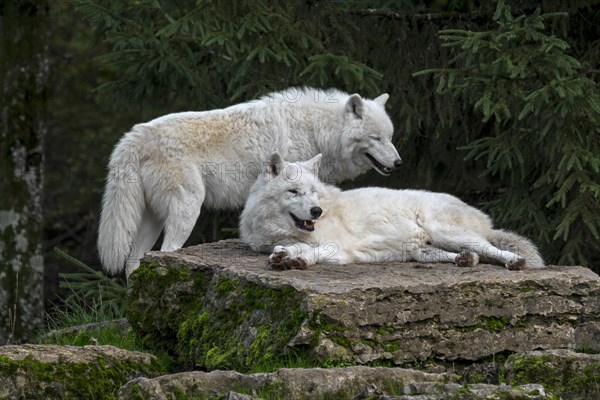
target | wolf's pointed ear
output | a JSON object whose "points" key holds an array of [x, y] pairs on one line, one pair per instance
{"points": [[276, 164], [314, 163], [381, 99], [355, 106]]}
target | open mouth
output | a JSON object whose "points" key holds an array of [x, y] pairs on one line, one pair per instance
{"points": [[382, 169], [305, 225]]}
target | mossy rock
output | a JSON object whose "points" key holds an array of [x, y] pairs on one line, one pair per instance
{"points": [[210, 319], [70, 372], [289, 384], [219, 306], [565, 373], [244, 326], [322, 384]]}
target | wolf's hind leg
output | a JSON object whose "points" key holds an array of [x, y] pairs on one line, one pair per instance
{"points": [[183, 211], [457, 239], [146, 236], [434, 255]]}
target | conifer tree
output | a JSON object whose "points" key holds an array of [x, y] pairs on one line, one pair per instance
{"points": [[208, 51], [543, 142]]}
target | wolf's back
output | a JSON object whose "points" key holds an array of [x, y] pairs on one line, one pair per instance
{"points": [[517, 244]]}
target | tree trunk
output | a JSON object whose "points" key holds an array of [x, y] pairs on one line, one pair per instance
{"points": [[23, 77]]}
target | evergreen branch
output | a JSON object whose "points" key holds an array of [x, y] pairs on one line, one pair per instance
{"points": [[417, 16], [428, 71], [104, 10], [554, 15], [164, 13], [73, 260]]}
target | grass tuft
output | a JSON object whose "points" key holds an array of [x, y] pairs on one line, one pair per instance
{"points": [[93, 313]]}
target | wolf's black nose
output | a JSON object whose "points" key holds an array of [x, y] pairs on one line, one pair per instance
{"points": [[316, 212], [398, 163]]}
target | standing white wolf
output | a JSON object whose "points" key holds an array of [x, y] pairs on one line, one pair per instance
{"points": [[304, 222], [161, 172]]}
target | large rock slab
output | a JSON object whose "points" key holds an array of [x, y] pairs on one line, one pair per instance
{"points": [[70, 372], [333, 383], [220, 306]]}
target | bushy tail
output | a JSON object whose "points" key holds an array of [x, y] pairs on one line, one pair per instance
{"points": [[122, 207], [519, 245]]}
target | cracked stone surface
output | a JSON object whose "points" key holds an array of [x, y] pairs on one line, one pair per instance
{"points": [[399, 313]]}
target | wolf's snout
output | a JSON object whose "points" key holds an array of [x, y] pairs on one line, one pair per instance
{"points": [[316, 212], [398, 163]]}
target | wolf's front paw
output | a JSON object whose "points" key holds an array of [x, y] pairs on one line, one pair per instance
{"points": [[467, 258], [279, 253], [516, 265], [287, 263], [279, 260]]}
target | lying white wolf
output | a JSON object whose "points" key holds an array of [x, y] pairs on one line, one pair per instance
{"points": [[304, 222], [163, 171]]}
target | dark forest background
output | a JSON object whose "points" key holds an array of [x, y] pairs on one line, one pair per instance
{"points": [[497, 103]]}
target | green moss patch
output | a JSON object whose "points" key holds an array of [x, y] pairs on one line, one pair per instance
{"points": [[567, 377], [174, 294], [495, 324], [213, 321], [242, 327], [33, 379]]}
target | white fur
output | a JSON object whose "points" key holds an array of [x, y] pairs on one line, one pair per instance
{"points": [[161, 172], [370, 224]]}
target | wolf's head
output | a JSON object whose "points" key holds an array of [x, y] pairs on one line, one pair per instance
{"points": [[296, 188], [283, 202], [367, 134]]}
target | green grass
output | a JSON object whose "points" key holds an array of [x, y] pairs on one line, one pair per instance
{"points": [[79, 311], [93, 299]]}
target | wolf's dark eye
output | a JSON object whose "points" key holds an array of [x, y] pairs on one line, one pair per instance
{"points": [[292, 191], [376, 138]]}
